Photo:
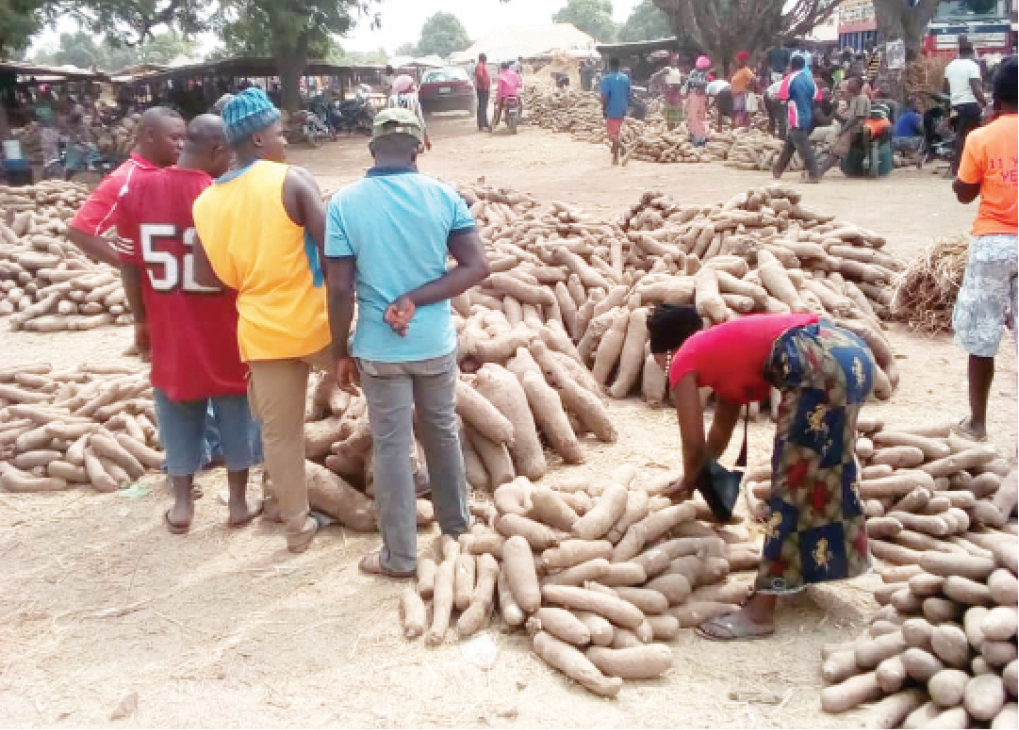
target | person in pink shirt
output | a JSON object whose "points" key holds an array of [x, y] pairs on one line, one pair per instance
{"points": [[507, 86], [816, 528]]}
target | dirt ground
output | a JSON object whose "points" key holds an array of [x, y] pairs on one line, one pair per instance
{"points": [[102, 610]]}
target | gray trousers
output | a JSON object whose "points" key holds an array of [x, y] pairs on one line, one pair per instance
{"points": [[396, 393]]}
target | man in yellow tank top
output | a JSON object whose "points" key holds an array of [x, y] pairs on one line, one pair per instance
{"points": [[260, 230]]}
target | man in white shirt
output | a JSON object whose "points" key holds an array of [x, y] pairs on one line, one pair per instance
{"points": [[965, 87], [775, 107], [721, 92]]}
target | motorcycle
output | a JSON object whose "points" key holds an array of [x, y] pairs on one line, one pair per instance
{"points": [[511, 105], [353, 115], [939, 133], [314, 129]]}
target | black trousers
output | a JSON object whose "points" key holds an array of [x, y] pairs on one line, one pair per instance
{"points": [[798, 140], [482, 108], [777, 117], [967, 119]]}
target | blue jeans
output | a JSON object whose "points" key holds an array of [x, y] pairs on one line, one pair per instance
{"points": [[212, 448], [182, 429]]}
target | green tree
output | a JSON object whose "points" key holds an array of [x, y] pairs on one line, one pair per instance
{"points": [[723, 27], [19, 21], [645, 23], [442, 34], [85, 50], [290, 31], [339, 56], [406, 49], [594, 17], [76, 49]]}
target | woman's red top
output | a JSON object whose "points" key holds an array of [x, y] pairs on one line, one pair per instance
{"points": [[729, 358]]}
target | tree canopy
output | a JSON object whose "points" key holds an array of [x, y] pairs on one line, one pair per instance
{"points": [[723, 27], [85, 50], [594, 17], [19, 21], [442, 34], [645, 23], [339, 55], [291, 32]]}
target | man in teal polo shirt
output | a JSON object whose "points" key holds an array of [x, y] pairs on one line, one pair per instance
{"points": [[388, 238]]}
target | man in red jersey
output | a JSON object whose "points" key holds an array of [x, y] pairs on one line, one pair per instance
{"points": [[190, 330], [159, 141]]}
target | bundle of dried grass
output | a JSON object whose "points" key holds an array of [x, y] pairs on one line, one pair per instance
{"points": [[927, 289]]}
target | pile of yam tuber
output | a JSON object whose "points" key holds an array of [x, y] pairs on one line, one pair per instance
{"points": [[93, 425], [598, 572], [557, 271], [650, 140], [46, 283], [941, 652], [924, 488]]}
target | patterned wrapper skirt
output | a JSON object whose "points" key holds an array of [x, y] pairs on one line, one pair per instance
{"points": [[816, 531], [697, 114]]}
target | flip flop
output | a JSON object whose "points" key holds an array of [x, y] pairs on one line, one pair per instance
{"points": [[254, 509], [736, 626], [174, 527], [372, 565], [303, 540], [963, 429]]}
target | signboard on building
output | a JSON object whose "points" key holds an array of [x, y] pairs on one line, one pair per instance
{"points": [[856, 16]]}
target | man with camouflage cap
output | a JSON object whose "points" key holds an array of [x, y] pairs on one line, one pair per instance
{"points": [[388, 237]]}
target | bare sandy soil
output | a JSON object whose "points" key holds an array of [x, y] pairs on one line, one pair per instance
{"points": [[101, 607]]}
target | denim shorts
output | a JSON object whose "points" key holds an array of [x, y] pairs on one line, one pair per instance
{"points": [[182, 432], [987, 301]]}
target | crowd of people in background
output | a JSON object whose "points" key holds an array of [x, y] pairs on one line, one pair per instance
{"points": [[850, 116]]}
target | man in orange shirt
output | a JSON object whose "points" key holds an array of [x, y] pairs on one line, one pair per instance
{"points": [[989, 296], [740, 84]]}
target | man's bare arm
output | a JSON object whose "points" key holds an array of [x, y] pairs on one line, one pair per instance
{"points": [[965, 192], [471, 268], [303, 202], [97, 248], [977, 86], [205, 275], [341, 276], [131, 277]]}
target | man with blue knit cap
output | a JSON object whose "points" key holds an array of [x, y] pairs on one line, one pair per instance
{"points": [[260, 231], [388, 237]]}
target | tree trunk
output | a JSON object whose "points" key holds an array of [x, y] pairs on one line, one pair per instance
{"points": [[897, 21], [291, 60], [290, 69]]}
